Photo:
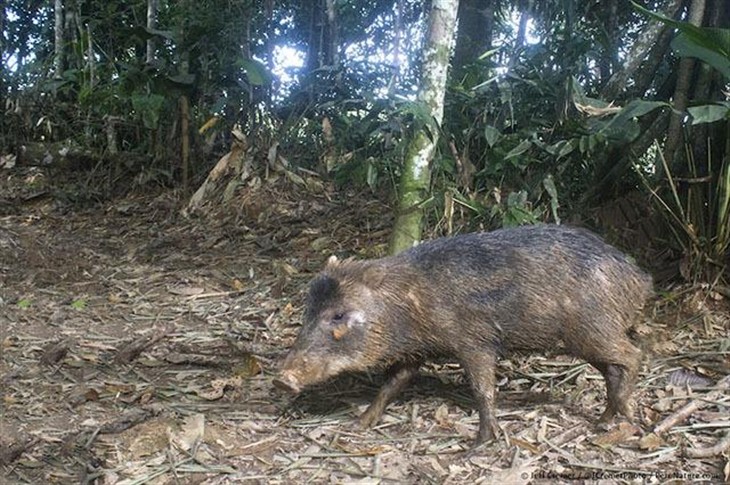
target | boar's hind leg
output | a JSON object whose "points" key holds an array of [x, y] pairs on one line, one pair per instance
{"points": [[398, 378], [480, 369], [619, 368]]}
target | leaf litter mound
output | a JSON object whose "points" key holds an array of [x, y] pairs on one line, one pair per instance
{"points": [[139, 346]]}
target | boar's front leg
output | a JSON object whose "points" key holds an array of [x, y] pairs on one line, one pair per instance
{"points": [[399, 377], [480, 368]]}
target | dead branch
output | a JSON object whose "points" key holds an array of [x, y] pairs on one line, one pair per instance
{"points": [[132, 350], [722, 386], [710, 451]]}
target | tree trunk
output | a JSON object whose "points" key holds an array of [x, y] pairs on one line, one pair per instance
{"points": [[522, 27], [73, 55], [333, 37], [152, 6], [2, 73], [708, 87], [395, 65], [610, 49], [680, 100], [476, 23], [415, 181], [524, 7], [314, 43], [90, 60], [646, 47], [185, 139], [58, 39]]}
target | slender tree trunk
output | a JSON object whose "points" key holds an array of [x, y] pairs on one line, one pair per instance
{"points": [[58, 39], [333, 44], [708, 87], [74, 60], [185, 140], [476, 23], [395, 66], [644, 49], [3, 95], [90, 60], [415, 181], [680, 100], [273, 86], [185, 123], [610, 49], [314, 42], [525, 6], [152, 7]]}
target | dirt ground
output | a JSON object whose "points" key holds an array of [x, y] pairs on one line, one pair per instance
{"points": [[138, 346]]}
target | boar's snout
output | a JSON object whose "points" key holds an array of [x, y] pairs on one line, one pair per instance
{"points": [[302, 369], [287, 382]]}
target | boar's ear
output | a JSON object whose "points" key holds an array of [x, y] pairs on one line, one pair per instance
{"points": [[373, 276], [332, 262]]}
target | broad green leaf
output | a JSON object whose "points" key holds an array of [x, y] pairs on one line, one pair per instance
{"points": [[563, 148], [621, 122], [709, 113], [183, 79], [552, 191], [255, 71], [488, 54], [372, 176], [519, 149], [685, 46], [165, 34], [24, 303], [583, 144], [638, 107], [145, 34], [712, 45], [148, 107], [492, 135]]}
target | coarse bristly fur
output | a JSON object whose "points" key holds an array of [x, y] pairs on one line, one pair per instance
{"points": [[474, 298]]}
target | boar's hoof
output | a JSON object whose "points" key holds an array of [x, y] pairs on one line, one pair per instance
{"points": [[369, 418], [287, 383]]}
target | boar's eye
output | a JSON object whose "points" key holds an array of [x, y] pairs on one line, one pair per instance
{"points": [[338, 317]]}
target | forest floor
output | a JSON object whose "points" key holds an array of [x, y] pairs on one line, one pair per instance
{"points": [[138, 346]]}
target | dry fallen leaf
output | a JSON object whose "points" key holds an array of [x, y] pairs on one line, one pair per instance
{"points": [[441, 416], [218, 388], [288, 310], [186, 290], [82, 395], [525, 445], [650, 442], [619, 434], [248, 366], [190, 433]]}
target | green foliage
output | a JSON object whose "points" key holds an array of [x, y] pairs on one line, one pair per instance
{"points": [[78, 304], [697, 206], [698, 214], [709, 113], [711, 45], [24, 303]]}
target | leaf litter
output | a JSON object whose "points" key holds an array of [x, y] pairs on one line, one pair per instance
{"points": [[163, 375]]}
